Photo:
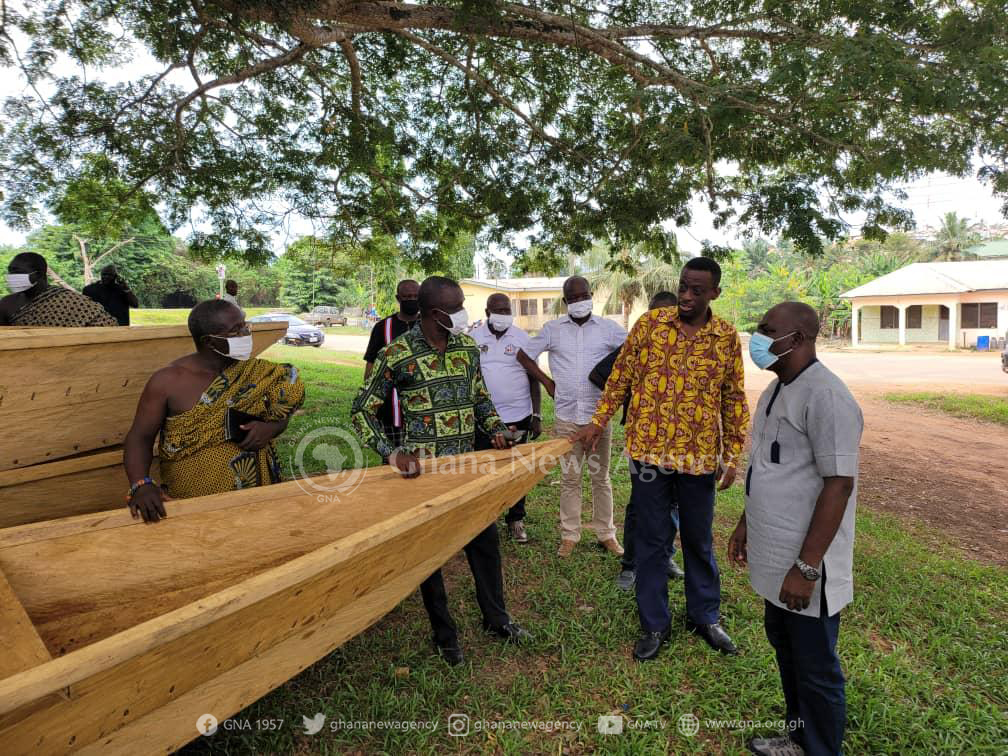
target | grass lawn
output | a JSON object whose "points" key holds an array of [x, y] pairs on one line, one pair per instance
{"points": [[178, 316], [977, 406], [922, 647]]}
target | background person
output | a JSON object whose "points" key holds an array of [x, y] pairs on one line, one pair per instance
{"points": [[686, 426], [187, 403], [514, 392], [114, 294], [797, 529], [231, 292], [576, 342], [435, 367], [599, 375], [33, 302], [384, 332]]}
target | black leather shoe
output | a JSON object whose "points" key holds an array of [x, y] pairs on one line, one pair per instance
{"points": [[715, 636], [512, 632], [450, 653], [674, 570], [649, 644]]}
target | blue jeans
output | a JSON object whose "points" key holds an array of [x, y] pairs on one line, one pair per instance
{"points": [[655, 493], [811, 676]]}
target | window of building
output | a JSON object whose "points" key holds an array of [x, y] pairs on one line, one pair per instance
{"points": [[914, 316], [547, 304], [529, 307], [979, 315], [890, 317]]}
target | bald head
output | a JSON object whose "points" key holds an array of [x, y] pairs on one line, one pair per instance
{"points": [[498, 303], [576, 288], [797, 316]]}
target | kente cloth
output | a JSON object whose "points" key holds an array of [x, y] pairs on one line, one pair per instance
{"points": [[196, 457], [57, 307]]}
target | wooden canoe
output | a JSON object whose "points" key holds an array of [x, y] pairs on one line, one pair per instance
{"points": [[64, 391], [119, 636]]}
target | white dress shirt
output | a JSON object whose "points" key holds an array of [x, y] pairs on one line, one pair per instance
{"points": [[573, 351], [505, 378]]}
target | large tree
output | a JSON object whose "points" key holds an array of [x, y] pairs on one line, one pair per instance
{"points": [[580, 119]]}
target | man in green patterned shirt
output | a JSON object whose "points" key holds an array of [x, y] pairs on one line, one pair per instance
{"points": [[435, 368]]}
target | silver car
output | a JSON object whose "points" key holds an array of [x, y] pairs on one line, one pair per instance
{"points": [[298, 333]]}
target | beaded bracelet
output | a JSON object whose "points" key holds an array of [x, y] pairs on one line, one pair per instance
{"points": [[136, 486]]}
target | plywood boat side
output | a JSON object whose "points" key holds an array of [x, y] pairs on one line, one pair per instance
{"points": [[64, 391], [232, 639]]}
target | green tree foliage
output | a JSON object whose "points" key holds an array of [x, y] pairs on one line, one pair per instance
{"points": [[632, 277], [954, 237], [754, 282], [581, 120]]}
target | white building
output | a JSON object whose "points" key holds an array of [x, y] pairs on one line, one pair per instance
{"points": [[938, 303]]}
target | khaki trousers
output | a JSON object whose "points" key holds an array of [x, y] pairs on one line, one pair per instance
{"points": [[571, 465]]}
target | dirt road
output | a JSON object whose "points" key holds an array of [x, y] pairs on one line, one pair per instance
{"points": [[923, 465]]}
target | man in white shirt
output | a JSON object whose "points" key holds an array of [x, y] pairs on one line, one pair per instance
{"points": [[230, 292], [797, 530], [576, 343], [514, 392]]}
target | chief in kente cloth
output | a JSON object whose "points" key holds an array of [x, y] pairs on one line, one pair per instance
{"points": [[187, 403]]}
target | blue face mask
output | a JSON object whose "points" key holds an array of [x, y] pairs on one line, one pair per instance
{"points": [[759, 349]]}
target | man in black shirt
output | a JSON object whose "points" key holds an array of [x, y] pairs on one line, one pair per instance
{"points": [[598, 376], [384, 332], [113, 294]]}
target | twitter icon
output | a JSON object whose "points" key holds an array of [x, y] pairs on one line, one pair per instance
{"points": [[313, 725]]}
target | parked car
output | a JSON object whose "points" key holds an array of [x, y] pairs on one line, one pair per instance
{"points": [[298, 333], [324, 315]]}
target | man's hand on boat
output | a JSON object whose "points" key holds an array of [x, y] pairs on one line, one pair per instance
{"points": [[408, 465], [148, 503]]}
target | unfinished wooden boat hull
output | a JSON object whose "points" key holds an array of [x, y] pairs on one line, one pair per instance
{"points": [[92, 482], [64, 391], [121, 635]]}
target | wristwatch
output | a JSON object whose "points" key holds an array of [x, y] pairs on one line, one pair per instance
{"points": [[807, 570], [536, 416]]}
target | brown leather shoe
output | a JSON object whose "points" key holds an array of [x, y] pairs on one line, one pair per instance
{"points": [[612, 546], [566, 548]]}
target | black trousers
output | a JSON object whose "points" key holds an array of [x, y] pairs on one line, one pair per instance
{"points": [[482, 441], [483, 553], [811, 676], [655, 493], [629, 557]]}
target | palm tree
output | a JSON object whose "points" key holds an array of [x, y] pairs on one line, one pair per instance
{"points": [[954, 237], [631, 277]]}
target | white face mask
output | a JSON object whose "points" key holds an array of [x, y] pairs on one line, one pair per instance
{"points": [[459, 321], [18, 282], [580, 309], [239, 347], [500, 322]]}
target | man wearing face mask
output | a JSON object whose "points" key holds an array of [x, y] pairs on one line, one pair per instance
{"points": [[217, 412], [515, 393], [435, 367], [797, 529], [33, 302], [384, 332], [576, 343]]}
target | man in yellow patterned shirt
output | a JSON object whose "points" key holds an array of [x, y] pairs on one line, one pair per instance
{"points": [[685, 429]]}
